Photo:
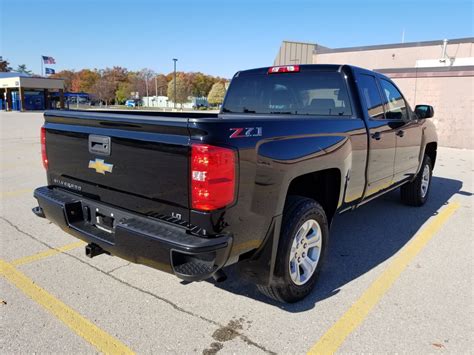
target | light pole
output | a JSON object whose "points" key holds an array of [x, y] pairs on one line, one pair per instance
{"points": [[174, 100]]}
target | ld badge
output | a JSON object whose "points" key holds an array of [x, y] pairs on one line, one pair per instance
{"points": [[100, 166]]}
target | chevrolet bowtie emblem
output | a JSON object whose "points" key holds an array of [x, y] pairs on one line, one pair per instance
{"points": [[100, 166]]}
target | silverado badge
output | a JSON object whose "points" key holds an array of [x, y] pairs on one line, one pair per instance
{"points": [[100, 166]]}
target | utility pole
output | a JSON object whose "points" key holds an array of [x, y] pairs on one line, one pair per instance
{"points": [[156, 87], [174, 100]]}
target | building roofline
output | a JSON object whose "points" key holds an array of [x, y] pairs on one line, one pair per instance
{"points": [[299, 42], [29, 77], [426, 69], [323, 50], [317, 45]]}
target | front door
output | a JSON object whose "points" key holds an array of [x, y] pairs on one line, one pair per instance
{"points": [[407, 130]]}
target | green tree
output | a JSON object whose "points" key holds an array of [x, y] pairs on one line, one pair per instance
{"points": [[123, 92], [4, 65], [22, 69], [183, 90], [217, 93], [202, 84]]}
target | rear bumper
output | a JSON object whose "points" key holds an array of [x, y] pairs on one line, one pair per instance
{"points": [[158, 244]]}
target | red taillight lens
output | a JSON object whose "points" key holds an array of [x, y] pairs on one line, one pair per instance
{"points": [[284, 69], [44, 157], [212, 177]]}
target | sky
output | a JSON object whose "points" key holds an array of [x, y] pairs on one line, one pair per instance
{"points": [[214, 37]]}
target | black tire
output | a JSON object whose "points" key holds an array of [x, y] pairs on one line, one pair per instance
{"points": [[412, 192], [297, 211]]}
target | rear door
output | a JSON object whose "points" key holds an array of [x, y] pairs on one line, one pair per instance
{"points": [[408, 131], [140, 164], [382, 139]]}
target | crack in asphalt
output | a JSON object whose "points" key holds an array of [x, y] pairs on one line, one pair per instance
{"points": [[243, 337], [117, 268]]}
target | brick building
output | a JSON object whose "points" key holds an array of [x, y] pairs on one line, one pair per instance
{"points": [[439, 73]]}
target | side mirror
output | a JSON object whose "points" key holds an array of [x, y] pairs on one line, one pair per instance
{"points": [[424, 111]]}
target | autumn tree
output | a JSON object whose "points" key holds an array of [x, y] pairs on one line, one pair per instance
{"points": [[202, 84], [84, 80], [103, 90], [183, 90], [137, 84], [68, 77], [161, 84], [4, 65], [115, 75], [217, 93]]}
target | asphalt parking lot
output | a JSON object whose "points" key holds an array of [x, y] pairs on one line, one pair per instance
{"points": [[398, 279]]}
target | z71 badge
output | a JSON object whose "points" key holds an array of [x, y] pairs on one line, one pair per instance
{"points": [[246, 132]]}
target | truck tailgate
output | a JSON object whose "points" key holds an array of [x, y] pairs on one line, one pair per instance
{"points": [[137, 163]]}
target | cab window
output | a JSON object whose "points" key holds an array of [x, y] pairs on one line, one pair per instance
{"points": [[317, 93], [395, 107], [371, 96]]}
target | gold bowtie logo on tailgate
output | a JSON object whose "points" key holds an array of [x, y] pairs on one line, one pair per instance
{"points": [[100, 166]]}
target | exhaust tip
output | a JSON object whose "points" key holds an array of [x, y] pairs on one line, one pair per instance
{"points": [[38, 211], [219, 276]]}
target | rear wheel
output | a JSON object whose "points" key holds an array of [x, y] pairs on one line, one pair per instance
{"points": [[303, 241], [416, 192]]}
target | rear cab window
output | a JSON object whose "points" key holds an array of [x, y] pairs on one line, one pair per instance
{"points": [[371, 95], [319, 93]]}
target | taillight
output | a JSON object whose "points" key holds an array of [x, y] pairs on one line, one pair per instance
{"points": [[44, 157], [212, 177], [284, 69]]}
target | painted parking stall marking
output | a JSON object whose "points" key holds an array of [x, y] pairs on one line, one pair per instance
{"points": [[355, 316], [103, 341], [46, 254]]}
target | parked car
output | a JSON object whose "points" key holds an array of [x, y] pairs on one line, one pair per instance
{"points": [[132, 103], [257, 185]]}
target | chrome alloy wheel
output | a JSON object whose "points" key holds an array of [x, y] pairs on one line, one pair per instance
{"points": [[425, 181], [305, 252]]}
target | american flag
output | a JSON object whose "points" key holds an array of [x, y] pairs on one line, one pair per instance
{"points": [[48, 60]]}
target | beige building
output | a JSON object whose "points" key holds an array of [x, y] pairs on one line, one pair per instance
{"points": [[439, 73]]}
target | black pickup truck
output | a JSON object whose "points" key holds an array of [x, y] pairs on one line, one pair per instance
{"points": [[256, 185]]}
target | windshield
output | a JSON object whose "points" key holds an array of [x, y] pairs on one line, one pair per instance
{"points": [[304, 93]]}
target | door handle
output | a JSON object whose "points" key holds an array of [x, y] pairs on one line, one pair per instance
{"points": [[99, 145], [400, 133], [376, 136]]}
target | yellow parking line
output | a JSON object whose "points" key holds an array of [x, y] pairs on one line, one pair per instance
{"points": [[337, 334], [14, 193], [46, 254], [86, 329]]}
